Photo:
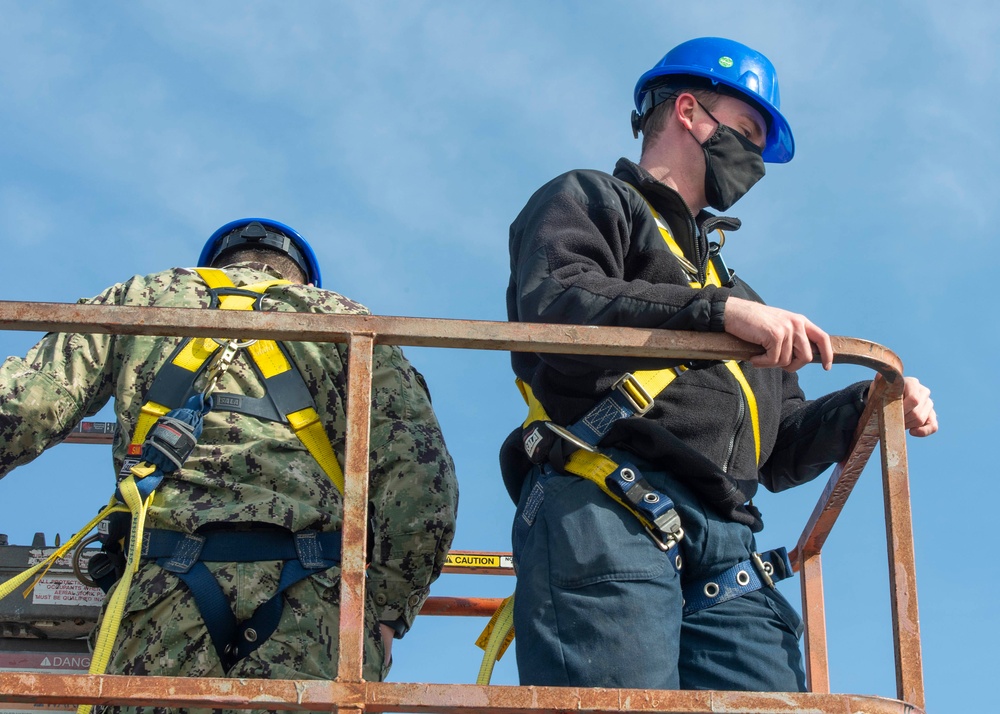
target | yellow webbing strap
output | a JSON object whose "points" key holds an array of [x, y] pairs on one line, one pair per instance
{"points": [[308, 427], [536, 412], [9, 586], [712, 278], [271, 361], [652, 382], [591, 465], [148, 415], [495, 639], [194, 354], [116, 604]]}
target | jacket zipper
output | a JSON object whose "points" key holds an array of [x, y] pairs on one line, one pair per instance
{"points": [[740, 418], [700, 259]]}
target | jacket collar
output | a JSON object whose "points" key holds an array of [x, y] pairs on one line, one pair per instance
{"points": [[684, 228]]}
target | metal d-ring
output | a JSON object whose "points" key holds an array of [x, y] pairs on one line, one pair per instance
{"points": [[77, 552]]}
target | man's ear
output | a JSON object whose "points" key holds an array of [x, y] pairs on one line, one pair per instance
{"points": [[684, 108]]}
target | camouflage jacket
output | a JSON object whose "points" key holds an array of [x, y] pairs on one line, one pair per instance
{"points": [[244, 469]]}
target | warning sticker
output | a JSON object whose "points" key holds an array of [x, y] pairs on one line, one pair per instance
{"points": [[67, 662], [479, 560], [25, 708], [65, 591], [50, 662]]}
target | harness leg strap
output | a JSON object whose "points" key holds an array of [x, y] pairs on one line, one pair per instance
{"points": [[212, 605], [262, 624], [305, 553]]}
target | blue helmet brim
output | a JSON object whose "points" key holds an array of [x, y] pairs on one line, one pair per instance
{"points": [[779, 147]]}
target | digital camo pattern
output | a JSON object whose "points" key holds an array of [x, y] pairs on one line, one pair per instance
{"points": [[163, 633], [246, 470]]}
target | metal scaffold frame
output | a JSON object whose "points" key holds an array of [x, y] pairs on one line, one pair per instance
{"points": [[881, 423]]}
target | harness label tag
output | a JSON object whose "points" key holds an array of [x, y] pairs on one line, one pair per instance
{"points": [[531, 441], [127, 464]]}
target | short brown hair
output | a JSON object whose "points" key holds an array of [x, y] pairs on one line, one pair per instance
{"points": [[654, 122], [281, 262]]}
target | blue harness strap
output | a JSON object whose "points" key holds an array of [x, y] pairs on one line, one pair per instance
{"points": [[185, 555], [758, 571]]}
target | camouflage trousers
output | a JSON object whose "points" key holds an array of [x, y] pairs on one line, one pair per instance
{"points": [[162, 632]]}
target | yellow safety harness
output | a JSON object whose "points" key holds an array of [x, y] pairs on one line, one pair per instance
{"points": [[636, 391], [712, 278], [134, 497], [271, 361]]}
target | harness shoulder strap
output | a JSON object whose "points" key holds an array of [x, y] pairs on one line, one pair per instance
{"points": [[711, 278], [272, 361]]}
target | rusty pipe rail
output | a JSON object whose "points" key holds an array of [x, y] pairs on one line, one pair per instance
{"points": [[881, 423], [412, 332], [338, 696]]}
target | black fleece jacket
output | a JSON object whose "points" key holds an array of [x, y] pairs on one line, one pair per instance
{"points": [[586, 250]]}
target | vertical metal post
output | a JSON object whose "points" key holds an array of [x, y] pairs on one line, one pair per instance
{"points": [[355, 530], [814, 616], [902, 560]]}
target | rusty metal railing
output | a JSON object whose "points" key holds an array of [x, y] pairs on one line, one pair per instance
{"points": [[881, 423]]}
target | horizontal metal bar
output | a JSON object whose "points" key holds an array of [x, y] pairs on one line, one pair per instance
{"points": [[411, 331], [462, 606], [314, 695]]}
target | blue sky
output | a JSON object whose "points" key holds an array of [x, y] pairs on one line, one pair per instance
{"points": [[402, 138]]}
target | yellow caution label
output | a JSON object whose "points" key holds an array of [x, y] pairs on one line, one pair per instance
{"points": [[506, 623], [478, 560]]}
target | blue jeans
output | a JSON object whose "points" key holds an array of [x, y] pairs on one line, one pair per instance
{"points": [[598, 604]]}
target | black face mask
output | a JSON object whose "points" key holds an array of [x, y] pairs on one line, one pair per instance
{"points": [[733, 164]]}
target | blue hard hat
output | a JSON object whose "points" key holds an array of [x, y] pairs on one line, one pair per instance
{"points": [[730, 64], [266, 233]]}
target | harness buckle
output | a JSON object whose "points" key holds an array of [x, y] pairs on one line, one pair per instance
{"points": [[220, 364], [637, 396], [667, 530], [764, 569], [665, 540]]}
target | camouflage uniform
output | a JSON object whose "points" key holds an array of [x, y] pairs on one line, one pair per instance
{"points": [[249, 471]]}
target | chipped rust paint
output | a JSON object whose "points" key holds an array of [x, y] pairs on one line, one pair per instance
{"points": [[902, 558], [411, 331], [349, 693], [814, 618], [462, 606], [355, 530], [312, 695], [845, 476]]}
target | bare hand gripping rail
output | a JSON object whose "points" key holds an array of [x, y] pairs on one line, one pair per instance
{"points": [[882, 422]]}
